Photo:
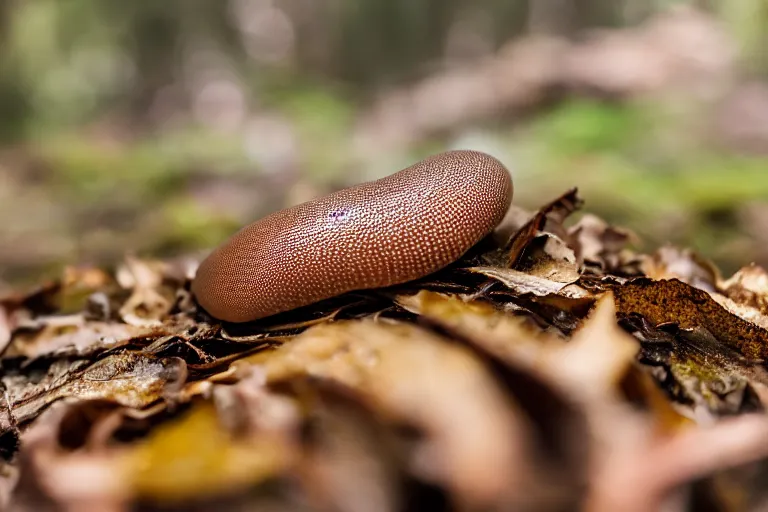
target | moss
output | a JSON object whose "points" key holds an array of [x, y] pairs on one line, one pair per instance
{"points": [[188, 226]]}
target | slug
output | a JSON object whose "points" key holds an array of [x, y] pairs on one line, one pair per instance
{"points": [[375, 234]]}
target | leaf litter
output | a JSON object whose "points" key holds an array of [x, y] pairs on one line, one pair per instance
{"points": [[554, 367]]}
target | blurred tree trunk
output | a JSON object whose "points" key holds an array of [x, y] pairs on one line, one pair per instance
{"points": [[568, 17], [381, 42], [552, 17], [509, 19], [601, 13], [158, 36], [14, 104], [155, 33], [316, 25]]}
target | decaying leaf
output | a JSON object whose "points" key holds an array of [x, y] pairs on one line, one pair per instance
{"points": [[198, 455], [147, 304], [598, 354], [195, 456], [604, 246], [549, 218], [748, 287], [516, 337], [5, 329], [521, 352], [521, 282], [353, 462], [689, 267], [129, 379], [672, 301], [413, 377], [50, 334]]}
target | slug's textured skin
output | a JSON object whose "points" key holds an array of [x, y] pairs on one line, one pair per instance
{"points": [[375, 234]]}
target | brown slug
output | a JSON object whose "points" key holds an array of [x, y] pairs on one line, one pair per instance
{"points": [[376, 234]]}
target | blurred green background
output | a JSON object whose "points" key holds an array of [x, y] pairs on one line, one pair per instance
{"points": [[157, 128]]}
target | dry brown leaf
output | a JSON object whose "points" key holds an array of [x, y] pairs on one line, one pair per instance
{"points": [[641, 388], [521, 282], [672, 301], [412, 376], [598, 243], [129, 379], [193, 456], [644, 483], [741, 310], [148, 303], [196, 456], [51, 477], [45, 299], [684, 264], [352, 461], [521, 352], [51, 334], [594, 364], [512, 339], [597, 357], [748, 287], [513, 220], [734, 295], [549, 218], [549, 257], [5, 329]]}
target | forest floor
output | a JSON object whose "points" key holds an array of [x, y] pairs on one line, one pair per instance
{"points": [[556, 369]]}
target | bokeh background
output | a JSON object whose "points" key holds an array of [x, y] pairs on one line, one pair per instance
{"points": [[157, 128]]}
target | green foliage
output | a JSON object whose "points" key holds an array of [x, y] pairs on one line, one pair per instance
{"points": [[322, 121], [583, 126], [146, 170], [748, 20], [187, 226]]}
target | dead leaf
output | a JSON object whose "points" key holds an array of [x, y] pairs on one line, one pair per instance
{"points": [[686, 265], [605, 246], [547, 256], [598, 355], [412, 376], [129, 379], [196, 456], [51, 334], [520, 282], [5, 329], [148, 303], [672, 301], [748, 287], [513, 339], [352, 461], [693, 453], [522, 352], [549, 218]]}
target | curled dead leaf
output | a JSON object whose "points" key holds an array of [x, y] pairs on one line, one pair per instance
{"points": [[521, 282], [549, 218], [604, 246]]}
